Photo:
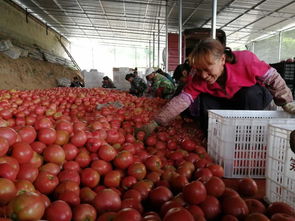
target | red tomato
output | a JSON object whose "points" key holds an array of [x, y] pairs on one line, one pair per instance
{"points": [[84, 212], [51, 168], [66, 186], [203, 174], [107, 152], [9, 134], [153, 163], [123, 159], [47, 135], [282, 217], [151, 140], [79, 138], [62, 137], [45, 182], [83, 158], [4, 146], [90, 177], [194, 192], [69, 175], [54, 154], [255, 206], [235, 206], [70, 150], [128, 181], [137, 170], [159, 195], [216, 170], [27, 206], [178, 213], [93, 144], [132, 203], [101, 166], [7, 191], [215, 186], [107, 200], [70, 197], [112, 178], [256, 217], [247, 187], [7, 171], [128, 214], [279, 207], [71, 165], [38, 146], [28, 134], [58, 211], [132, 194], [27, 172], [87, 195], [24, 186], [64, 125], [211, 207], [107, 216], [22, 152]]}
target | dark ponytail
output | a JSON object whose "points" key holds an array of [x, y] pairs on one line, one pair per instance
{"points": [[230, 57]]}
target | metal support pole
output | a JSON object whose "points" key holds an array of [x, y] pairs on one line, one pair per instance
{"points": [[153, 49], [213, 24], [180, 32], [280, 46], [158, 43], [166, 30], [149, 53]]}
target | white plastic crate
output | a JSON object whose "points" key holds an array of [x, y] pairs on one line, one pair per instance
{"points": [[280, 172], [237, 140]]}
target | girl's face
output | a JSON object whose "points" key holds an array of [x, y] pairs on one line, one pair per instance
{"points": [[212, 71]]}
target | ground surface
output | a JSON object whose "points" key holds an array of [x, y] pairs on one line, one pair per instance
{"points": [[28, 73]]}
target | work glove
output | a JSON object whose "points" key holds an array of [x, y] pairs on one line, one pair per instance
{"points": [[289, 107], [148, 129]]}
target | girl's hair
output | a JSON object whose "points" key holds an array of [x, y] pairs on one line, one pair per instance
{"points": [[177, 74], [200, 57]]}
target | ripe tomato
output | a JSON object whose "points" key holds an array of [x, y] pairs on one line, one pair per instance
{"points": [[137, 170], [112, 178], [128, 214], [54, 154], [194, 192], [70, 150], [123, 159], [7, 191], [211, 207], [4, 146], [159, 195], [58, 211], [247, 187], [235, 206], [27, 206], [101, 166], [22, 152], [90, 177], [9, 134], [87, 195], [28, 134], [84, 212], [45, 182], [178, 213], [215, 186], [47, 135], [107, 153], [107, 200]]}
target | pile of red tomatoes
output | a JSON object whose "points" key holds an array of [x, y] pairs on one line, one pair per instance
{"points": [[61, 159]]}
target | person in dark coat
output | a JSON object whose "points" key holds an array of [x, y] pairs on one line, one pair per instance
{"points": [[107, 82], [138, 86]]}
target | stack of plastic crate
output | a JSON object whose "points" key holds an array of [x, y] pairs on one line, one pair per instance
{"points": [[237, 140], [280, 173]]}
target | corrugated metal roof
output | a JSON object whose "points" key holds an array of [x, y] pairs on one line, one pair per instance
{"points": [[134, 21]]}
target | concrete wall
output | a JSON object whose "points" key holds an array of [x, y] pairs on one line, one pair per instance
{"points": [[13, 25]]}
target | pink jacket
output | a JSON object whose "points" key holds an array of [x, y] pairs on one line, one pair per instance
{"points": [[246, 72]]}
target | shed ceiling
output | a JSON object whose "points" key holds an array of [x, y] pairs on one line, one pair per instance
{"points": [[134, 21]]}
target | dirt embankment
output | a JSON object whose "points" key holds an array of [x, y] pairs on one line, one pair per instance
{"points": [[28, 73]]}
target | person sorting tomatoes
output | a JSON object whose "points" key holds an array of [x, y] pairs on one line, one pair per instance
{"points": [[225, 79], [160, 85]]}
